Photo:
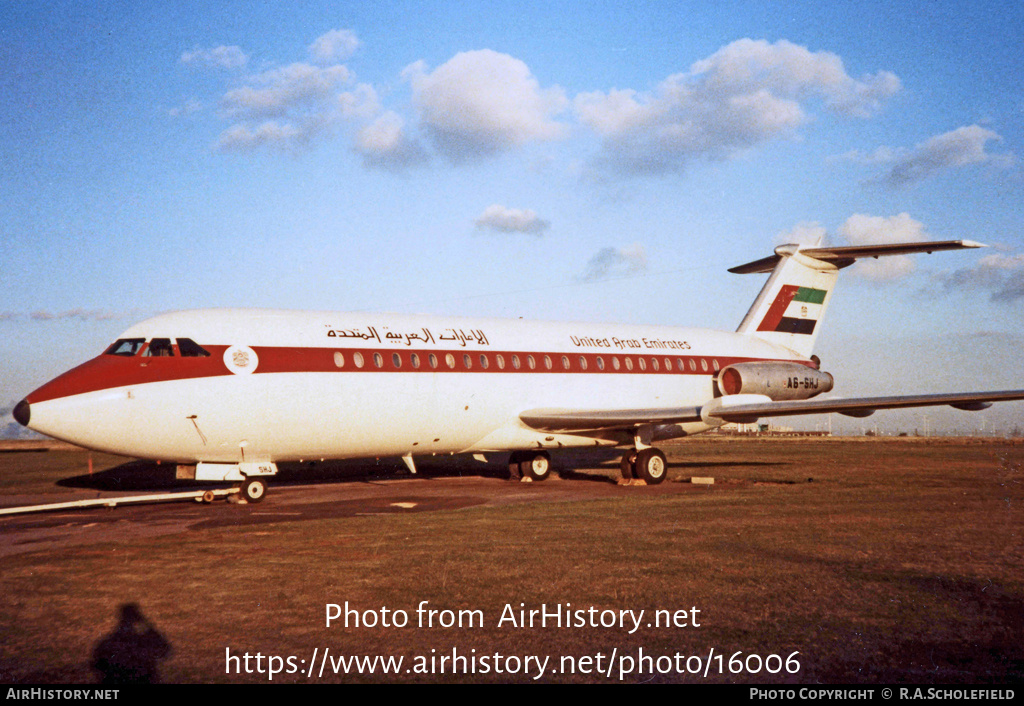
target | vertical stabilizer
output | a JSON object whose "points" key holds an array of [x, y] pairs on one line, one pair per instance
{"points": [[789, 309], [792, 303]]}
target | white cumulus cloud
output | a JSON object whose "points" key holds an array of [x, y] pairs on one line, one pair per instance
{"points": [[336, 45], [77, 314], [384, 144], [786, 69], [245, 137], [221, 57], [956, 148], [615, 262], [1002, 275], [861, 229], [277, 91], [483, 102], [745, 94], [511, 220], [808, 233], [289, 106]]}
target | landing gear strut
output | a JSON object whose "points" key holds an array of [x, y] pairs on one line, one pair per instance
{"points": [[648, 465]]}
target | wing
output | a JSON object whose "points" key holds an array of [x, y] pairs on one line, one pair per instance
{"points": [[583, 420], [744, 409]]}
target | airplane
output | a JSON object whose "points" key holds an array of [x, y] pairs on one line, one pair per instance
{"points": [[228, 394]]}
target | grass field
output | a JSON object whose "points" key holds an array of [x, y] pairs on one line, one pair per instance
{"points": [[875, 560]]}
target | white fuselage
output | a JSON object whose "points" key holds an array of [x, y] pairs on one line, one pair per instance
{"points": [[286, 386]]}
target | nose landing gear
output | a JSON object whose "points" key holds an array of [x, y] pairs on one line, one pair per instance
{"points": [[252, 477], [253, 490]]}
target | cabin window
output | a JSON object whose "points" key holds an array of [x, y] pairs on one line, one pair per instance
{"points": [[483, 361], [693, 364], [547, 362], [450, 360], [396, 360], [629, 363], [704, 364], [190, 349], [600, 363], [467, 361], [515, 362], [357, 358], [433, 361], [714, 364], [615, 362], [159, 348], [531, 362], [378, 360], [565, 362], [126, 347], [668, 364], [415, 360], [679, 362], [339, 359], [654, 363], [583, 363], [501, 361], [642, 362]]}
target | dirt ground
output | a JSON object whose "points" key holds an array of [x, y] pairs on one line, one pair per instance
{"points": [[806, 561]]}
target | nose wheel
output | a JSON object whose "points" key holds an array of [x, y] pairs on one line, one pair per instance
{"points": [[254, 490]]}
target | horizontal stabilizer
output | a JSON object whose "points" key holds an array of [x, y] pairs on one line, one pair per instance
{"points": [[846, 255]]}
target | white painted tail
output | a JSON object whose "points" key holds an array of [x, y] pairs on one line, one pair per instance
{"points": [[792, 303]]}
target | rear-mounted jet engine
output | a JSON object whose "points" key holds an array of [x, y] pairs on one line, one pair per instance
{"points": [[777, 381]]}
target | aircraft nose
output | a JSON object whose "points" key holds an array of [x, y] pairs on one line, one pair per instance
{"points": [[22, 413]]}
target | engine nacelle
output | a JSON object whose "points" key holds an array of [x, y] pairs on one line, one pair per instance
{"points": [[777, 381]]}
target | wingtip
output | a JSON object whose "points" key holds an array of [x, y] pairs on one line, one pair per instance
{"points": [[972, 244]]}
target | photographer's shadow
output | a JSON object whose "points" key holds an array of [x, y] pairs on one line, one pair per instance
{"points": [[131, 653]]}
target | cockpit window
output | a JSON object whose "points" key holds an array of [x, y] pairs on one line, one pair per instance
{"points": [[190, 349], [126, 346], [159, 348]]}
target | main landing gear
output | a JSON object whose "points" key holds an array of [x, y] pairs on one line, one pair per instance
{"points": [[648, 465], [529, 465]]}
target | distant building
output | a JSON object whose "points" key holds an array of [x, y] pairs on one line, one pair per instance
{"points": [[765, 428]]}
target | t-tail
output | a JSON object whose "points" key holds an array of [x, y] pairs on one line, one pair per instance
{"points": [[789, 310]]}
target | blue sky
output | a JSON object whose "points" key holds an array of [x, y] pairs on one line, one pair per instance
{"points": [[589, 161]]}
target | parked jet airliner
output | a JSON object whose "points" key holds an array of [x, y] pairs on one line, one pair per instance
{"points": [[228, 394]]}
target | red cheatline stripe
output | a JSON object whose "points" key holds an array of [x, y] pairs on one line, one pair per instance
{"points": [[111, 371], [778, 308]]}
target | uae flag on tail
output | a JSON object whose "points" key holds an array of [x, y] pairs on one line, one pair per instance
{"points": [[795, 310]]}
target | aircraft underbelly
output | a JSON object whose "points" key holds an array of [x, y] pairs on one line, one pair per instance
{"points": [[335, 415], [303, 416]]}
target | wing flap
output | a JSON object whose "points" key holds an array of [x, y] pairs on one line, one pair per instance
{"points": [[581, 420]]}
